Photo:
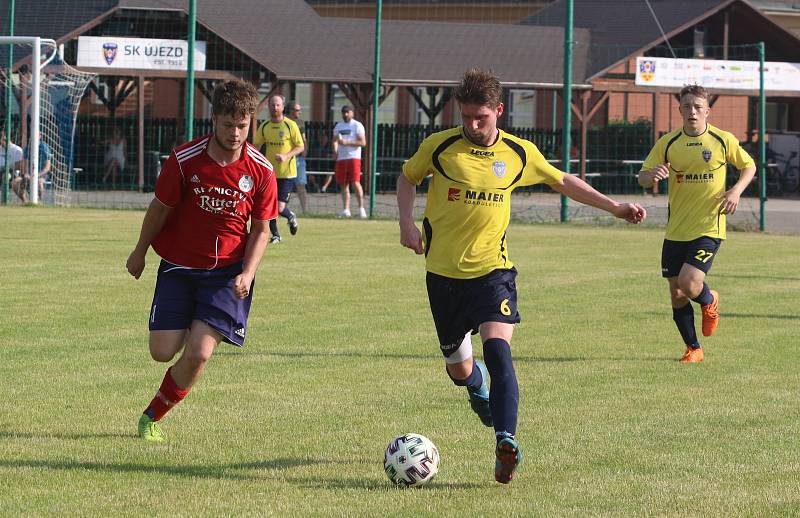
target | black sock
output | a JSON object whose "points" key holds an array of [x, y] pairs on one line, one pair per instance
{"points": [[705, 298], [286, 213], [273, 227], [684, 319], [504, 393], [474, 380]]}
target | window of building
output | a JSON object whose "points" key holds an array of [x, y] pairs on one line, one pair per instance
{"points": [[387, 112], [521, 109]]}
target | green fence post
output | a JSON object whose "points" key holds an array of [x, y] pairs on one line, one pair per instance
{"points": [[376, 72], [190, 72], [762, 145], [7, 166], [567, 99]]}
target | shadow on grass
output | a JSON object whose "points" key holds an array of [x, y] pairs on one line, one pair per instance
{"points": [[725, 315], [237, 471], [377, 485], [66, 436], [756, 276], [379, 356]]}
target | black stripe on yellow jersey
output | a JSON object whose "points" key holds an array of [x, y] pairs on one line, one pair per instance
{"points": [[469, 198], [696, 179]]}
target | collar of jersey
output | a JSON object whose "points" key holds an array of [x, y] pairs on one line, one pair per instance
{"points": [[471, 143]]}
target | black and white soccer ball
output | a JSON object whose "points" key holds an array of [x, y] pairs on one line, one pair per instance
{"points": [[411, 460]]}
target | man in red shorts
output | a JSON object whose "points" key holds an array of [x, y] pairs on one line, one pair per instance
{"points": [[205, 195], [348, 139]]}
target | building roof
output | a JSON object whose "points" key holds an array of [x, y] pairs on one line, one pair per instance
{"points": [[615, 36], [288, 38], [291, 40]]}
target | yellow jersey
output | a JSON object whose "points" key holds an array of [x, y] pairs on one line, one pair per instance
{"points": [[279, 137], [469, 198], [697, 170]]}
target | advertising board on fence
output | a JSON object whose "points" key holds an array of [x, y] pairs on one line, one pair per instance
{"points": [[138, 53], [716, 74]]}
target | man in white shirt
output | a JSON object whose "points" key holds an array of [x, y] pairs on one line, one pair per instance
{"points": [[14, 154], [348, 139], [14, 158]]}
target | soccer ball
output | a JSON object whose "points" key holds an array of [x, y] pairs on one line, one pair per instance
{"points": [[411, 460]]}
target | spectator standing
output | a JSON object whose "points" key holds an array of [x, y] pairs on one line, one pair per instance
{"points": [[348, 139], [115, 157]]}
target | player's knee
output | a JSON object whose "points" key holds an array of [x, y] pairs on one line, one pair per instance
{"points": [[459, 372], [690, 288], [196, 356], [164, 348], [160, 354]]}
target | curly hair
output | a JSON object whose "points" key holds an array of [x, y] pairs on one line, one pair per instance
{"points": [[695, 90], [479, 86], [236, 98]]}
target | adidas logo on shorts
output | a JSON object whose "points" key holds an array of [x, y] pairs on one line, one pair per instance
{"points": [[240, 332]]}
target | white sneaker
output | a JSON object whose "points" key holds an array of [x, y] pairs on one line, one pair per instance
{"points": [[344, 214], [362, 213]]}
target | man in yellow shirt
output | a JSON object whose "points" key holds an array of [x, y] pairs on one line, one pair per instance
{"points": [[470, 279], [694, 160], [283, 142]]}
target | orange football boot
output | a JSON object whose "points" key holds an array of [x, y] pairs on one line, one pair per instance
{"points": [[711, 315], [692, 355]]}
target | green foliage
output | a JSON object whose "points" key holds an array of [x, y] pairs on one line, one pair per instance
{"points": [[342, 356]]}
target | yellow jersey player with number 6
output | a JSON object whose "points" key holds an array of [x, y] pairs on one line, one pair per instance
{"points": [[470, 276], [694, 160]]}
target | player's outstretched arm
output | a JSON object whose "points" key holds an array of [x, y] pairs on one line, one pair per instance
{"points": [[253, 252], [410, 236], [580, 191], [650, 177], [154, 219]]}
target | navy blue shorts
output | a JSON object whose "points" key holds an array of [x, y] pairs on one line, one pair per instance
{"points": [[699, 252], [186, 294], [285, 188], [462, 305]]}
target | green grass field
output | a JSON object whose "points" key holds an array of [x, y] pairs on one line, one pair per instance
{"points": [[341, 356]]}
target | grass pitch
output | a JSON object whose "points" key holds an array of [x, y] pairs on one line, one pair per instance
{"points": [[341, 356]]}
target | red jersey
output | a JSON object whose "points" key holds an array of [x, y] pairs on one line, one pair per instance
{"points": [[211, 204]]}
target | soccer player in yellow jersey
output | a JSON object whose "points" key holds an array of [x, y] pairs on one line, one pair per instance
{"points": [[694, 159], [470, 279], [283, 142]]}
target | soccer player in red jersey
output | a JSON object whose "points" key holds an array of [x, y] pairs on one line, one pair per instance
{"points": [[205, 195]]}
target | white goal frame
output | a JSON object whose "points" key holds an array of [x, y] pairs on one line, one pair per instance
{"points": [[36, 67]]}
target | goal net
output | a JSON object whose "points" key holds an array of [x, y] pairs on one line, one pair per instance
{"points": [[60, 90]]}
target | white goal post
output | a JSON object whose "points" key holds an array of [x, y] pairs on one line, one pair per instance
{"points": [[36, 67]]}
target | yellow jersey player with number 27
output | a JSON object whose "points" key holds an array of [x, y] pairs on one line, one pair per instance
{"points": [[470, 277], [694, 160]]}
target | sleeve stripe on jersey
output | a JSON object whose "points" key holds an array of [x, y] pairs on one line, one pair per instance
{"points": [[183, 153], [721, 141], [522, 156], [258, 157], [184, 158], [438, 151], [671, 141]]}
